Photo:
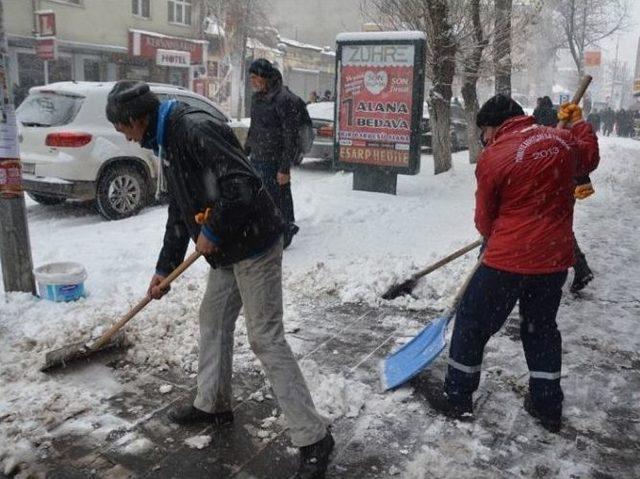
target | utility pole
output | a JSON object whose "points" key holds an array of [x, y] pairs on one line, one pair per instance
{"points": [[15, 249]]}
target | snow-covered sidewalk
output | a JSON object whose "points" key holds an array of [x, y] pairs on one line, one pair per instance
{"points": [[101, 419]]}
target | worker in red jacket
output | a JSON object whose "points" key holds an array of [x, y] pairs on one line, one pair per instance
{"points": [[524, 210]]}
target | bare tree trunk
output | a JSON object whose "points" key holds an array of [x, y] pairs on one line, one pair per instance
{"points": [[502, 46], [15, 247], [440, 133], [470, 80], [471, 107], [444, 51]]}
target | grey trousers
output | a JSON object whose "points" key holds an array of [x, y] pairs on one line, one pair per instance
{"points": [[255, 283]]}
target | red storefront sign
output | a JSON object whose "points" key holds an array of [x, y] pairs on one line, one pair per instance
{"points": [[592, 59], [46, 23], [147, 44], [46, 48]]}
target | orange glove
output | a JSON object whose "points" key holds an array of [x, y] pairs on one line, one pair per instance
{"points": [[202, 217], [583, 191], [570, 112]]}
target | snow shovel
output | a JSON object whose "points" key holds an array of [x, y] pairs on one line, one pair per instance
{"points": [[110, 339], [418, 353], [407, 286]]}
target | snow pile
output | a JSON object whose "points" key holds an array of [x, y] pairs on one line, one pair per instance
{"points": [[132, 444], [334, 395], [198, 442]]}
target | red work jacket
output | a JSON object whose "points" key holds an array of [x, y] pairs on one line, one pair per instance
{"points": [[524, 198]]}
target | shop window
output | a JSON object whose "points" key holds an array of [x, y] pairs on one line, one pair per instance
{"points": [[30, 70], [141, 8], [212, 69], [91, 70], [137, 73], [180, 11], [60, 70], [177, 76]]}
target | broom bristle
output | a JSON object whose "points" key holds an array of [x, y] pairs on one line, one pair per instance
{"points": [[73, 352], [399, 289]]}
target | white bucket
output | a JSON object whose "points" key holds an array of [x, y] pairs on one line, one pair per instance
{"points": [[61, 281]]}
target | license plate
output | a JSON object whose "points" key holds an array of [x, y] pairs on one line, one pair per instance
{"points": [[29, 168]]}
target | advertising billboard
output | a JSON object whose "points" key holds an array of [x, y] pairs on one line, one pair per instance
{"points": [[380, 89]]}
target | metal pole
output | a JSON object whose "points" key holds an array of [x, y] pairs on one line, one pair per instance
{"points": [[46, 72], [15, 249]]}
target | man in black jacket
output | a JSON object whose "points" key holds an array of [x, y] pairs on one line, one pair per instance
{"points": [[544, 113], [272, 141], [239, 229]]}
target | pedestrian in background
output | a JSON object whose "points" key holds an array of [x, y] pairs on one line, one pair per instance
{"points": [[273, 138]]}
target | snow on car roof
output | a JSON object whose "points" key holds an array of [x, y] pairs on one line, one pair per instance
{"points": [[86, 88], [321, 111]]}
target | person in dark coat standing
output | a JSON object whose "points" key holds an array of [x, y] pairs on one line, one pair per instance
{"points": [[594, 119], [524, 210], [608, 120], [272, 141], [544, 113], [216, 200]]}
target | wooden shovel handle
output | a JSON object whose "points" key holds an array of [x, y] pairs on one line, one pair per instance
{"points": [[447, 259], [104, 339], [584, 84]]}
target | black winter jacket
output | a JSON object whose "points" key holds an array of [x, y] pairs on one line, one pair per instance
{"points": [[205, 167], [546, 116], [273, 134]]}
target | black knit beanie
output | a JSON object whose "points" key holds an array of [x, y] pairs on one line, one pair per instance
{"points": [[263, 68], [130, 100], [497, 110]]}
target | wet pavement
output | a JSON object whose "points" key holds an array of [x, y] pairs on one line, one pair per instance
{"points": [[376, 440]]}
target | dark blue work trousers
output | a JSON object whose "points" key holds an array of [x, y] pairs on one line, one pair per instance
{"points": [[484, 308]]}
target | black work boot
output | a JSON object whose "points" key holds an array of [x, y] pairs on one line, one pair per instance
{"points": [[314, 459], [187, 413], [551, 424], [290, 231], [582, 274], [451, 405]]}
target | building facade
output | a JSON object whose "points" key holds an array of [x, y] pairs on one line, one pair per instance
{"points": [[165, 41], [105, 40], [307, 68]]}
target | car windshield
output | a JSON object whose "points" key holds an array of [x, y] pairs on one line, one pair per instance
{"points": [[44, 109]]}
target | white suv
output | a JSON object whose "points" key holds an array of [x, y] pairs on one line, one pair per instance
{"points": [[70, 151]]}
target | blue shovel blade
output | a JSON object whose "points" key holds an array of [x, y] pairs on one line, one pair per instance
{"points": [[414, 356]]}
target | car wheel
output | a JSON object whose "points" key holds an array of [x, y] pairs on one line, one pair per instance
{"points": [[122, 192], [45, 200]]}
